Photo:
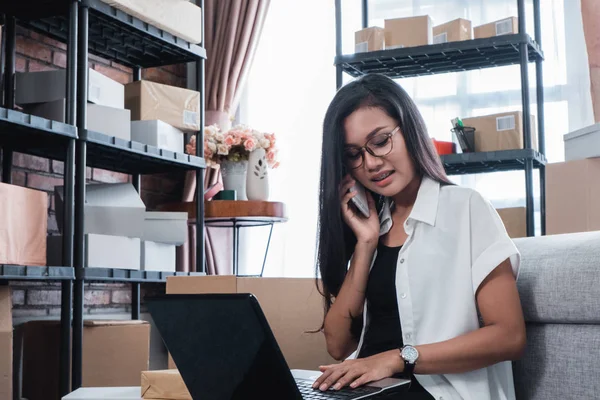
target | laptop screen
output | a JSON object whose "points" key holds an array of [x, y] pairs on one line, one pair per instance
{"points": [[222, 346]]}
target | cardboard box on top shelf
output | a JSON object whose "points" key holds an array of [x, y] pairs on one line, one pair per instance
{"points": [[453, 31], [154, 101], [502, 131], [23, 226], [408, 32], [572, 196], [114, 209], [107, 120], [6, 344], [515, 221], [506, 26], [158, 134], [114, 354], [165, 384], [49, 86], [293, 307], [369, 39]]}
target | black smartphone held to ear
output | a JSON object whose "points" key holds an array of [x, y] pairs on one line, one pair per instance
{"points": [[360, 200]]}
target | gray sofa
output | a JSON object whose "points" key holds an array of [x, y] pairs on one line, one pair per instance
{"points": [[559, 285]]}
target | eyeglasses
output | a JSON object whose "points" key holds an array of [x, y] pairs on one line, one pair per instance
{"points": [[379, 145]]}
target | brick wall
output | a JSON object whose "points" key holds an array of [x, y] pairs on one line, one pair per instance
{"points": [[39, 53]]}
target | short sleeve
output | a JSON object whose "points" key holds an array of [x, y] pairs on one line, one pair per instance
{"points": [[490, 244]]}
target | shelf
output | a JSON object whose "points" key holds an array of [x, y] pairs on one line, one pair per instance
{"points": [[28, 273], [493, 161], [125, 275], [113, 34], [129, 157], [34, 135], [242, 222], [441, 58]]}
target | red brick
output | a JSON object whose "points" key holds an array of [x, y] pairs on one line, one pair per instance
{"points": [[59, 59], [100, 175], [43, 182], [19, 178], [54, 43], [122, 67], [35, 66], [58, 167], [21, 64], [33, 49], [121, 297], [153, 200], [152, 183], [159, 75], [31, 162], [172, 184], [29, 312], [99, 59], [114, 73], [18, 297], [179, 70], [97, 297], [43, 297]]}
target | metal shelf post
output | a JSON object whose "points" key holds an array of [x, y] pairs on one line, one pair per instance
{"points": [[338, 43], [539, 76], [200, 173], [10, 45]]}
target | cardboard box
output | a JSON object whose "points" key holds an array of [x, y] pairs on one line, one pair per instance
{"points": [[6, 343], [502, 131], [108, 120], [154, 101], [408, 32], [515, 221], [110, 209], [369, 39], [583, 143], [166, 227], [158, 134], [23, 226], [166, 384], [49, 86], [105, 393], [102, 251], [572, 196], [506, 26], [158, 257], [114, 354], [453, 31], [293, 308]]}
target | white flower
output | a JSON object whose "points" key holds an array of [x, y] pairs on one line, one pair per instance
{"points": [[222, 149], [212, 146], [265, 143], [219, 137]]}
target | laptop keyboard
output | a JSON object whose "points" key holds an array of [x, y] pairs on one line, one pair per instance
{"points": [[308, 393]]}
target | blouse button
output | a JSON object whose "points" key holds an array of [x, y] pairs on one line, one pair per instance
{"points": [[402, 261], [403, 295]]}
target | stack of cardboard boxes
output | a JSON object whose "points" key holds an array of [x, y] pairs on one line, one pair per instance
{"points": [[419, 31]]}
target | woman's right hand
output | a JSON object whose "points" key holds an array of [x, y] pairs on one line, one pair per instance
{"points": [[365, 229]]}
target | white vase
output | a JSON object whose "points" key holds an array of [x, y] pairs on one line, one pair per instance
{"points": [[234, 177], [257, 177]]}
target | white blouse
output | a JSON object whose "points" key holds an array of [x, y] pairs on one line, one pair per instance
{"points": [[455, 239]]}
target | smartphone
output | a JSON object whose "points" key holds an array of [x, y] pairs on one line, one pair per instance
{"points": [[360, 200]]}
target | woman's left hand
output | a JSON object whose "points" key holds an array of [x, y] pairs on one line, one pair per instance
{"points": [[360, 371]]}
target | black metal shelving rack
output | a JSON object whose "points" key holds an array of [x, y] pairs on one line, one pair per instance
{"points": [[464, 56], [90, 27]]}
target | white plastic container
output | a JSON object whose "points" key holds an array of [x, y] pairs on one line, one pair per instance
{"points": [[583, 143]]}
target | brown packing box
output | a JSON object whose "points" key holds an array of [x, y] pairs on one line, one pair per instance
{"points": [[24, 225], [6, 344], [114, 354], [453, 31], [408, 32], [165, 384], [504, 26], [515, 221], [154, 101], [369, 39], [293, 307], [573, 196], [502, 131]]}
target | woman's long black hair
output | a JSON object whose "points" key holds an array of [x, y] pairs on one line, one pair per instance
{"points": [[336, 241]]}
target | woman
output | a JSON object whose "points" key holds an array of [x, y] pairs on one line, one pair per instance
{"points": [[431, 273]]}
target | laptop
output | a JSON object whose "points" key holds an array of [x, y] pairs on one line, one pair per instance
{"points": [[224, 349]]}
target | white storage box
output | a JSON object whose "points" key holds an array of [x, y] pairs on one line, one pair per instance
{"points": [[46, 86], [583, 143], [110, 209], [158, 134], [108, 393], [101, 251], [158, 256], [166, 227], [108, 120]]}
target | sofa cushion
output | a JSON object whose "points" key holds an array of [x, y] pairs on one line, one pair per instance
{"points": [[559, 278]]}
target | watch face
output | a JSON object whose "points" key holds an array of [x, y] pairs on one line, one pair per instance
{"points": [[410, 354]]}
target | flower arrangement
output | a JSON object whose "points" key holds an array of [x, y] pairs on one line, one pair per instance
{"points": [[235, 145]]}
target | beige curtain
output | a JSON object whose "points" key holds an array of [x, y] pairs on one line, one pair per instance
{"points": [[233, 29]]}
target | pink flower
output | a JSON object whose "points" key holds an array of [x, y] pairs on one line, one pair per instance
{"points": [[271, 154], [250, 144], [229, 140]]}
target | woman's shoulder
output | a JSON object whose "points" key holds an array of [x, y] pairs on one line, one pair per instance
{"points": [[461, 197]]}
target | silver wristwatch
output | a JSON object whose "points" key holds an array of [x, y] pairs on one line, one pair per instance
{"points": [[410, 355]]}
